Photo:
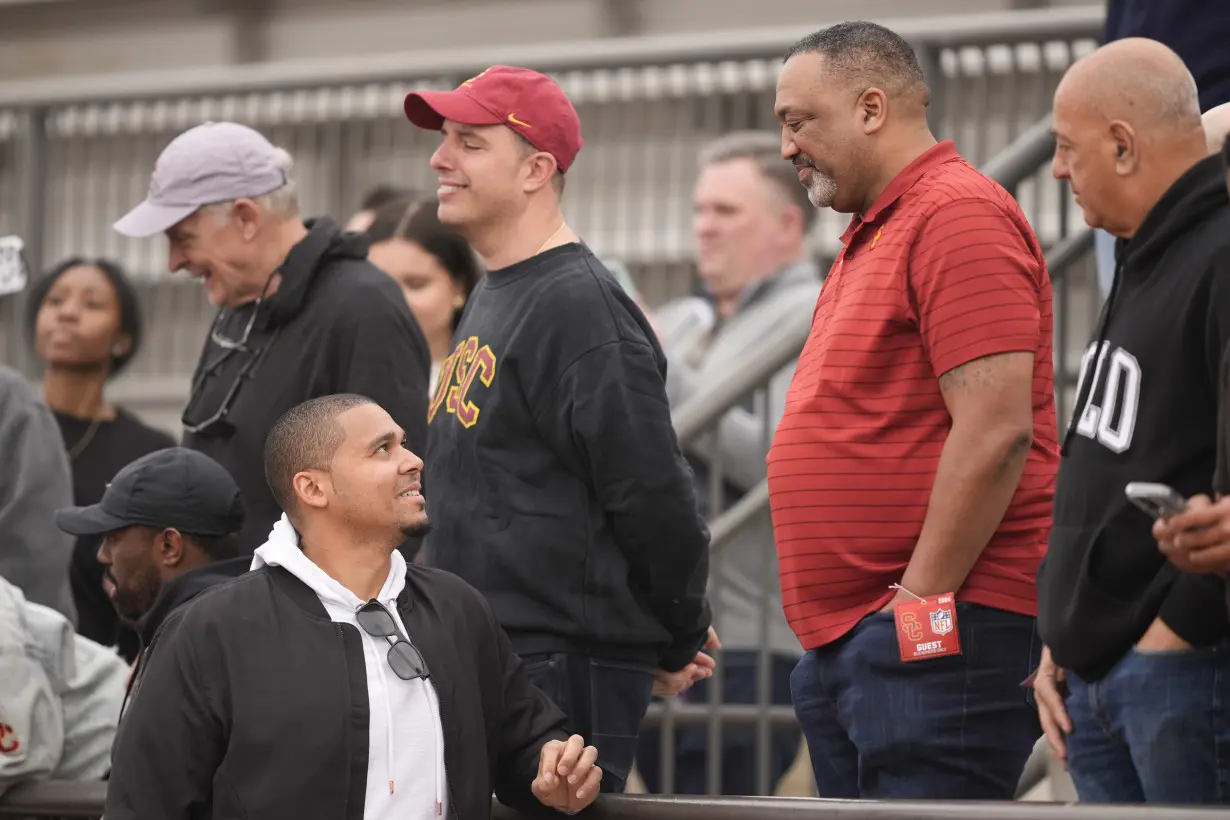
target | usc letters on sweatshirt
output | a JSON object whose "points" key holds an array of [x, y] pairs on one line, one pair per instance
{"points": [[554, 480]]}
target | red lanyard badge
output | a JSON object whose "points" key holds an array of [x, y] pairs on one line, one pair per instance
{"points": [[927, 627]]}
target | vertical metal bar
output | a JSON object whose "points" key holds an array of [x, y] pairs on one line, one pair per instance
{"points": [[657, 120], [713, 757], [982, 105], [764, 656], [1063, 321], [712, 101], [1011, 96], [680, 159], [933, 72], [955, 102], [627, 160], [32, 165], [338, 163], [666, 748]]}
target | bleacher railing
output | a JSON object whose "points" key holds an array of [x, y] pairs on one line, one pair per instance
{"points": [[84, 801]]}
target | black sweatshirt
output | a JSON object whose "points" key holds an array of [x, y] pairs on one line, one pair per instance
{"points": [[554, 480], [337, 324], [253, 704], [1150, 415]]}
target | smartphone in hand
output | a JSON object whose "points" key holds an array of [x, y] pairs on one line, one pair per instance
{"points": [[1157, 500]]}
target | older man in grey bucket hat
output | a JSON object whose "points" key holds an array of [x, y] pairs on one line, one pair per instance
{"points": [[303, 313]]}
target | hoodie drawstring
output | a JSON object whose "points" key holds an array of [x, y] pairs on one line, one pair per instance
{"points": [[388, 722], [433, 702]]}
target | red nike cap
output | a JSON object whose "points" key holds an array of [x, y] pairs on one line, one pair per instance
{"points": [[529, 103]]}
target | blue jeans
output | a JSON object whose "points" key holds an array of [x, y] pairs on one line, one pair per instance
{"points": [[1154, 730], [605, 702], [954, 728], [739, 672]]}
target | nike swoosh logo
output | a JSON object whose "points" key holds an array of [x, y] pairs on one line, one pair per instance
{"points": [[513, 119]]}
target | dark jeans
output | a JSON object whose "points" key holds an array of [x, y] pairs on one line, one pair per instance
{"points": [[605, 702], [738, 745], [954, 728], [1154, 730]]}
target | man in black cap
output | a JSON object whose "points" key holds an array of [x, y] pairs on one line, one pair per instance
{"points": [[169, 523]]}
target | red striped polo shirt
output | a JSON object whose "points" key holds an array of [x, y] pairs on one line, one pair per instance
{"points": [[941, 270]]}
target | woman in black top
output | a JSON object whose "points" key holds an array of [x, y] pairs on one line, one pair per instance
{"points": [[85, 323]]}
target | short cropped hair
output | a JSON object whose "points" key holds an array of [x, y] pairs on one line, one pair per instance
{"points": [[764, 149], [866, 52], [305, 438]]}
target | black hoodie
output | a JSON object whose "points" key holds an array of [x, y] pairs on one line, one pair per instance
{"points": [[1149, 414], [337, 324], [174, 594]]}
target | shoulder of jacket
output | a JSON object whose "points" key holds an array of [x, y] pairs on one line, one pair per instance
{"points": [[447, 588], [441, 581], [225, 601], [357, 291], [15, 390]]}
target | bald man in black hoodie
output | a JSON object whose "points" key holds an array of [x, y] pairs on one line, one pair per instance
{"points": [[1140, 646]]}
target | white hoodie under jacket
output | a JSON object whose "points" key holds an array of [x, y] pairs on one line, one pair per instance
{"points": [[406, 778]]}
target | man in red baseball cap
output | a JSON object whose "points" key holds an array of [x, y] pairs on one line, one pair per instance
{"points": [[555, 482], [510, 134]]}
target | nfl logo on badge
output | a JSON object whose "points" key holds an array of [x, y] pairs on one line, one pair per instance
{"points": [[941, 621]]}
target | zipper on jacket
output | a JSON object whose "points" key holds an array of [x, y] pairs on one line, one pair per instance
{"points": [[448, 781]]}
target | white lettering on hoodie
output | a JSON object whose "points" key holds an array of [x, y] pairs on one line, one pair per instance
{"points": [[405, 765]]}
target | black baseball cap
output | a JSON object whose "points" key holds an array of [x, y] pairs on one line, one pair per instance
{"points": [[175, 488]]}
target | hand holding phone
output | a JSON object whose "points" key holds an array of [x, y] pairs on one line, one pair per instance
{"points": [[1157, 500]]}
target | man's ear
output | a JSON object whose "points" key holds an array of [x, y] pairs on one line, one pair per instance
{"points": [[542, 170], [169, 548], [311, 488], [1127, 148], [873, 108], [246, 214]]}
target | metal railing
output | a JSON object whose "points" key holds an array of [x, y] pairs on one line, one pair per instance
{"points": [[75, 152], [84, 801]]}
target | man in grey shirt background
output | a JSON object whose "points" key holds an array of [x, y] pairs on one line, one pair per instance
{"points": [[750, 224]]}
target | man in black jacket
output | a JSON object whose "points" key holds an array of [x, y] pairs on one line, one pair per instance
{"points": [[334, 680], [303, 313], [1141, 647], [168, 524], [557, 486]]}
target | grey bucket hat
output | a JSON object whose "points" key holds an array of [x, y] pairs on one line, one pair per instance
{"points": [[213, 162]]}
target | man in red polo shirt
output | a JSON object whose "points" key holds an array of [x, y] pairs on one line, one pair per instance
{"points": [[917, 455]]}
